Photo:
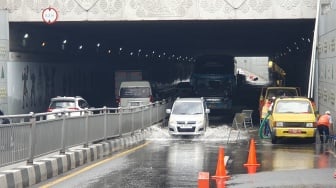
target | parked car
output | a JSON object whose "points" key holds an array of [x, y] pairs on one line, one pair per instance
{"points": [[7, 134], [70, 105], [135, 93], [2, 119], [292, 117], [188, 116]]}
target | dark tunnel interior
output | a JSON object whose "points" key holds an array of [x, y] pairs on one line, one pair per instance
{"points": [[166, 50]]}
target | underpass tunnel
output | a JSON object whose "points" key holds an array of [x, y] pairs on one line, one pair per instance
{"points": [[296, 63], [164, 50]]}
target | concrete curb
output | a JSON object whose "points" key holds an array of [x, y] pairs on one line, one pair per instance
{"points": [[47, 168]]}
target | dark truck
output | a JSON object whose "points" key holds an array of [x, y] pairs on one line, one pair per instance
{"points": [[214, 79]]}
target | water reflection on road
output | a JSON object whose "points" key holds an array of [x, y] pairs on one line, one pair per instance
{"points": [[176, 161]]}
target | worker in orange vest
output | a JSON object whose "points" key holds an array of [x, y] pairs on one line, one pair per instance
{"points": [[324, 123]]}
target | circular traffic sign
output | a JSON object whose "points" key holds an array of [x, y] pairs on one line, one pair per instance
{"points": [[49, 15]]}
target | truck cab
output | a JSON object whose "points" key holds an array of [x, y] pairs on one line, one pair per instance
{"points": [[268, 94]]}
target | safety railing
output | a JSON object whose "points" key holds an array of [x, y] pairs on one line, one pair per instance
{"points": [[29, 136]]}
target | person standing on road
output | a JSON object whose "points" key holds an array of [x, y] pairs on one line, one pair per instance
{"points": [[324, 126]]}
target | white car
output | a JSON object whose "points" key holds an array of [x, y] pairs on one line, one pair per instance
{"points": [[188, 116], [70, 105]]}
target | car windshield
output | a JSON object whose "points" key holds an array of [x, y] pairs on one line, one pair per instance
{"points": [[293, 107], [187, 108], [63, 104], [282, 92], [135, 92], [183, 85]]}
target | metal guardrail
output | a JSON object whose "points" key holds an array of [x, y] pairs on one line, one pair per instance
{"points": [[29, 136]]}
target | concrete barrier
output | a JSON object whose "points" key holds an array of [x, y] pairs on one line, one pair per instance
{"points": [[46, 168]]}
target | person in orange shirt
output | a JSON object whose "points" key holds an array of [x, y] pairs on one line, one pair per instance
{"points": [[324, 123]]}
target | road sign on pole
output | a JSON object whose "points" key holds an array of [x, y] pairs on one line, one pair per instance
{"points": [[49, 15]]}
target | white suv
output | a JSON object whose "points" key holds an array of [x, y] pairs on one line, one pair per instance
{"points": [[70, 105], [188, 116]]}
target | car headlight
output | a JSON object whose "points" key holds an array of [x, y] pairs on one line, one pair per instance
{"points": [[309, 125], [279, 124]]}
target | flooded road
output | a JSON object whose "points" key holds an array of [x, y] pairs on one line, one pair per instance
{"points": [[165, 161]]}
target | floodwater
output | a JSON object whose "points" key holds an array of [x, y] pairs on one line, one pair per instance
{"points": [[175, 162]]}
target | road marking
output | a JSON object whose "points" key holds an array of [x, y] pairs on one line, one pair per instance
{"points": [[93, 165]]}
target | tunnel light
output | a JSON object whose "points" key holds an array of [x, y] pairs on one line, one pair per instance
{"points": [[26, 35], [80, 47], [109, 51], [43, 44], [98, 45], [308, 40], [153, 52], [63, 44], [146, 55], [120, 49], [131, 54], [159, 56]]}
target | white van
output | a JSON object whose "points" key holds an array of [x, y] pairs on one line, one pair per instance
{"points": [[135, 93], [188, 116]]}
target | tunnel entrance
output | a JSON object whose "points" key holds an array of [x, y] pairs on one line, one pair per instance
{"points": [[164, 50]]}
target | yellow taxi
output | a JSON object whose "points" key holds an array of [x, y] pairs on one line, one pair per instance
{"points": [[292, 117]]}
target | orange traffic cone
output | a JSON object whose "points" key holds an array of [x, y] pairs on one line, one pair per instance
{"points": [[251, 169], [252, 159], [221, 171], [220, 183]]}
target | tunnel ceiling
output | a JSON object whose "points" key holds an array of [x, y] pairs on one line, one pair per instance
{"points": [[190, 38]]}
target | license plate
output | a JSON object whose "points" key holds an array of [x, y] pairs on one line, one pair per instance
{"points": [[186, 126], [294, 131], [135, 103]]}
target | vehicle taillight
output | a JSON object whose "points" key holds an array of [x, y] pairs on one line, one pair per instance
{"points": [[151, 98], [49, 110]]}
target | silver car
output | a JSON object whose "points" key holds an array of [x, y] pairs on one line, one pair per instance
{"points": [[188, 116]]}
